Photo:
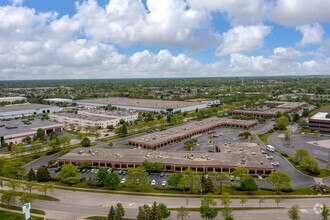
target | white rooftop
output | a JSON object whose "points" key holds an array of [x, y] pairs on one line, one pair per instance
{"points": [[320, 116]]}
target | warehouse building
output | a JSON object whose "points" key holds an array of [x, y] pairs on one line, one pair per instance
{"points": [[320, 122], [186, 131], [118, 115], [14, 131], [142, 104], [58, 100], [17, 111], [12, 99], [231, 156], [283, 107]]}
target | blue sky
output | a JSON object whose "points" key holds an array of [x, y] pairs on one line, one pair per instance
{"points": [[169, 38]]}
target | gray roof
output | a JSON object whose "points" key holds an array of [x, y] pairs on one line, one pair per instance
{"points": [[321, 116], [19, 127], [94, 118], [148, 103], [187, 128], [238, 151], [12, 108]]}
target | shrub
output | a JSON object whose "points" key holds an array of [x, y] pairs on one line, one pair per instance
{"points": [[36, 156], [65, 151], [284, 155], [235, 186], [71, 180], [288, 190]]}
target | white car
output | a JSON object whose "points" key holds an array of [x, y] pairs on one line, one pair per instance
{"points": [[153, 182], [269, 157], [275, 163], [123, 181], [232, 178], [164, 183], [238, 179]]}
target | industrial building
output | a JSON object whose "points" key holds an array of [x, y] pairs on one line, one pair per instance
{"points": [[58, 100], [283, 107], [231, 156], [12, 99], [94, 117], [14, 131], [142, 104], [320, 122], [177, 134], [17, 111]]}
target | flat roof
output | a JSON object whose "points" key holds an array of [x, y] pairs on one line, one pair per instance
{"points": [[114, 113], [286, 104], [321, 116], [10, 99], [21, 107], [94, 118], [238, 151], [148, 103], [187, 128], [18, 126]]}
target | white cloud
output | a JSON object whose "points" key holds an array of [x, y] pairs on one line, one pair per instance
{"points": [[167, 22], [298, 12], [16, 2], [286, 54], [239, 12], [242, 39], [312, 34]]}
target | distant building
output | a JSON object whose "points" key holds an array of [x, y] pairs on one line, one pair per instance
{"points": [[320, 122], [14, 131], [16, 111], [186, 131], [142, 104], [12, 99], [94, 117], [58, 100], [283, 107]]}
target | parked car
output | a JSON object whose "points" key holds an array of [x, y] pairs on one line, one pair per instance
{"points": [[238, 179], [105, 135], [123, 181], [153, 182], [150, 131], [164, 183], [58, 169], [92, 170], [216, 135], [275, 163], [83, 171], [124, 172], [269, 156], [162, 174], [221, 134], [120, 172], [232, 178]]}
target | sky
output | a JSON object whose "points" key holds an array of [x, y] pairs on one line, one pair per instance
{"points": [[68, 39]]}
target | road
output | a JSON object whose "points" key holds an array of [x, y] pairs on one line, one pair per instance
{"points": [[299, 180], [75, 204]]}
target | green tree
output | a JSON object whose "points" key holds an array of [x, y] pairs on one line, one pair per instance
{"points": [[13, 184], [155, 212], [278, 114], [183, 213], [188, 145], [40, 134], [111, 214], [174, 179], [84, 164], [296, 117], [1, 183], [206, 184], [310, 163], [241, 172], [67, 173], [146, 165], [80, 136], [300, 154], [226, 202], [302, 123], [29, 186], [121, 209], [13, 168], [305, 112], [64, 141], [191, 180], [102, 175], [229, 217], [112, 180], [137, 177], [221, 178], [31, 175], [243, 199], [279, 180], [8, 197], [164, 210], [249, 184], [278, 200], [144, 212], [26, 198], [207, 208], [245, 135], [156, 166], [261, 200], [3, 161], [85, 142], [324, 212], [43, 174], [282, 123], [293, 213], [46, 187]]}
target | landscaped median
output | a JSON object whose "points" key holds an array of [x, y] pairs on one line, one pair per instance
{"points": [[13, 215]]}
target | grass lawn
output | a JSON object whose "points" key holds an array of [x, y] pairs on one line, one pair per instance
{"points": [[325, 108], [173, 192], [5, 215], [18, 208], [37, 196], [232, 208], [104, 218], [263, 137]]}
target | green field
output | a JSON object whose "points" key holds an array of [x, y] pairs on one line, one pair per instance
{"points": [[5, 215]]}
